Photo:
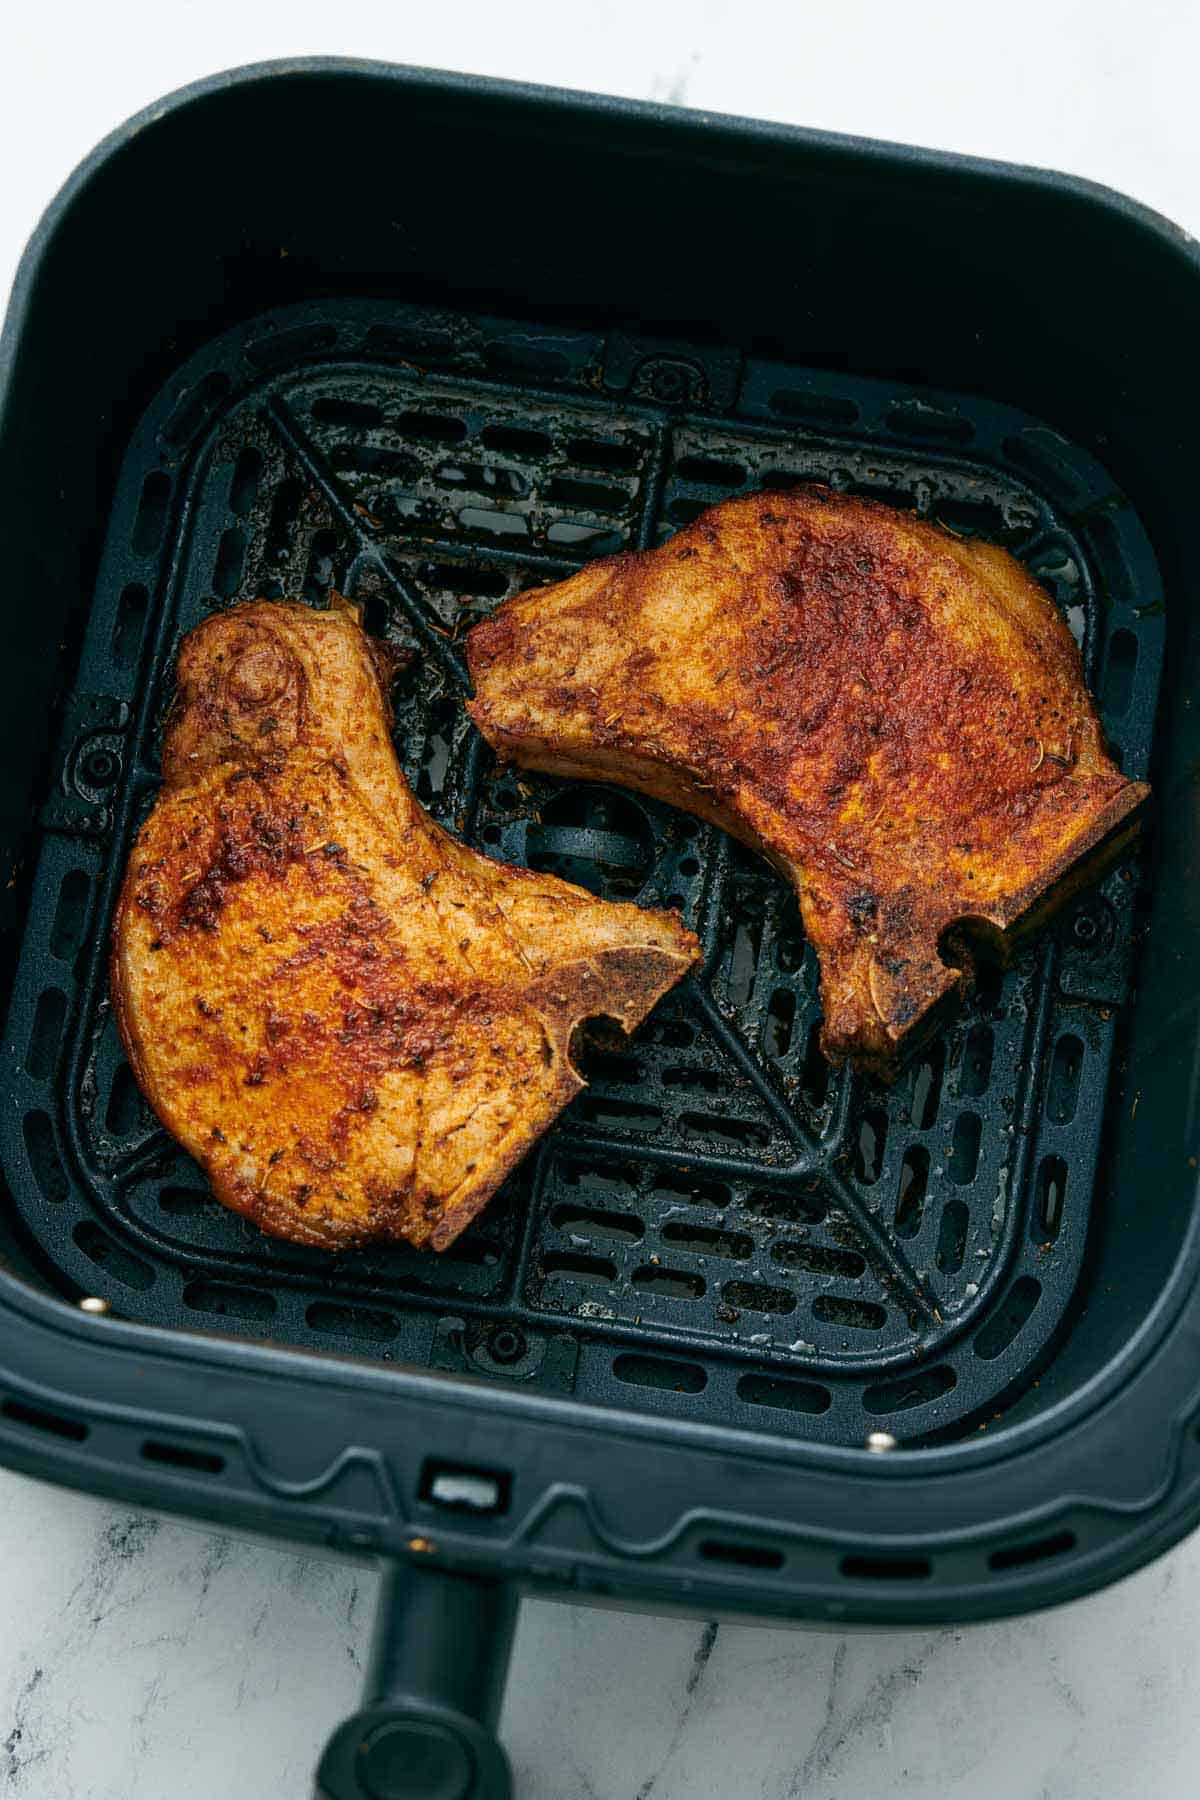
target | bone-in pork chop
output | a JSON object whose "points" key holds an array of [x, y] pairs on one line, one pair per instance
{"points": [[897, 718], [357, 1025]]}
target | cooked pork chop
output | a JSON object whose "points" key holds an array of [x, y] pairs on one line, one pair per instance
{"points": [[356, 1025], [895, 717]]}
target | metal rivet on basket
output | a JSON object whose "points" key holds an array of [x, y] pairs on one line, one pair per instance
{"points": [[880, 1442], [92, 1303]]}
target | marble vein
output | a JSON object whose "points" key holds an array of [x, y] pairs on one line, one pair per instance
{"points": [[704, 1649]]}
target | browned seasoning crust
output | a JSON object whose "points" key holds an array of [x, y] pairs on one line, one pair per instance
{"points": [[357, 1025], [896, 717]]}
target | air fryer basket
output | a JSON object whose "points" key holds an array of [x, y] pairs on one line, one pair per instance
{"points": [[743, 1333]]}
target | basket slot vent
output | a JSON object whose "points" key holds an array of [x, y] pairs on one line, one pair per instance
{"points": [[703, 1240], [917, 1389], [808, 1208], [1019, 1556], [689, 1191], [781, 1017], [593, 496], [964, 1150], [182, 1456], [927, 1088], [126, 1113], [858, 1315], [517, 440], [285, 510], [747, 1556], [590, 1222], [678, 1284], [48, 1020], [150, 520], [227, 569], [44, 1160], [1005, 1323], [195, 406], [755, 1296], [814, 1078], [707, 471], [662, 1372], [590, 1271], [976, 1069], [952, 1237], [429, 428], [626, 1115], [112, 1257], [292, 344], [700, 1081], [184, 1202], [594, 453], [886, 1568], [370, 1323], [40, 1418], [799, 403], [608, 1177], [244, 481], [229, 1301], [725, 1131], [808, 1397], [869, 1148], [914, 1183], [528, 359], [1119, 671], [132, 608], [1051, 1192], [1062, 1092], [821, 1259], [336, 409], [916, 418]]}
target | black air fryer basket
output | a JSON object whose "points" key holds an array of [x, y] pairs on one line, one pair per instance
{"points": [[743, 1334]]}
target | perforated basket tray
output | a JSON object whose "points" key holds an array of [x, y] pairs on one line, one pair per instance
{"points": [[720, 1222]]}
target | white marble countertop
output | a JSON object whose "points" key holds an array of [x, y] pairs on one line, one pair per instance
{"points": [[141, 1659]]}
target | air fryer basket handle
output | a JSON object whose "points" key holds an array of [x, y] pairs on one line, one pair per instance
{"points": [[427, 1728]]}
